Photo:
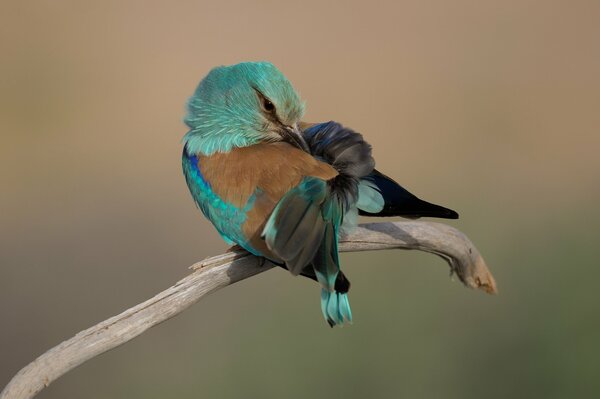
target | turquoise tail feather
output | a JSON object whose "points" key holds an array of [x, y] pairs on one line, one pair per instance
{"points": [[326, 264], [335, 307]]}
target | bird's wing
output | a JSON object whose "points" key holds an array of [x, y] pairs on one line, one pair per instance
{"points": [[295, 230], [350, 155], [374, 193], [400, 202], [303, 232]]}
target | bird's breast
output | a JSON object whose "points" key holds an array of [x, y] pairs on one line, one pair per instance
{"points": [[252, 180]]}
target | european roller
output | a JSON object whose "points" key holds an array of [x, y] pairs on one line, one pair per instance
{"points": [[282, 189]]}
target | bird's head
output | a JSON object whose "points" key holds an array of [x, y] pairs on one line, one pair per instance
{"points": [[242, 105]]}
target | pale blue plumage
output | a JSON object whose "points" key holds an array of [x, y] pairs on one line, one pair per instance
{"points": [[369, 198]]}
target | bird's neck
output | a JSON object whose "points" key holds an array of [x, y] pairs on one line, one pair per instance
{"points": [[207, 143]]}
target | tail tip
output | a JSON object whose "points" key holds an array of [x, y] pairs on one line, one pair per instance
{"points": [[335, 307]]}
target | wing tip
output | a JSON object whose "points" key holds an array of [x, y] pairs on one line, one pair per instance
{"points": [[398, 201], [422, 209]]}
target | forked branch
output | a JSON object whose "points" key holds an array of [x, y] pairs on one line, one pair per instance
{"points": [[220, 271]]}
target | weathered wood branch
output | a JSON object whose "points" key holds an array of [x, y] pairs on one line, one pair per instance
{"points": [[220, 271]]}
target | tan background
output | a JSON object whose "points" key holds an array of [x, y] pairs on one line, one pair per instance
{"points": [[491, 108]]}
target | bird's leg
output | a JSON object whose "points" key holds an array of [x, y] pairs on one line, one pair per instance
{"points": [[261, 261], [235, 248]]}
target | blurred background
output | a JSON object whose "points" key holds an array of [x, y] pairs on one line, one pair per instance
{"points": [[490, 108]]}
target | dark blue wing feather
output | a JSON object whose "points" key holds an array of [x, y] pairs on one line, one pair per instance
{"points": [[400, 202]]}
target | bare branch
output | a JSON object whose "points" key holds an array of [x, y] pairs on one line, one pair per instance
{"points": [[220, 271]]}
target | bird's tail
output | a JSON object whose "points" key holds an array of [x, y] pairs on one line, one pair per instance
{"points": [[335, 307], [334, 285], [334, 301]]}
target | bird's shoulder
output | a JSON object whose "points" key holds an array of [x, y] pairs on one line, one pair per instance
{"points": [[271, 168]]}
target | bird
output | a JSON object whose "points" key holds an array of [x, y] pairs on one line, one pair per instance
{"points": [[280, 188]]}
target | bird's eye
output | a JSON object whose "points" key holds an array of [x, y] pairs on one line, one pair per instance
{"points": [[268, 105]]}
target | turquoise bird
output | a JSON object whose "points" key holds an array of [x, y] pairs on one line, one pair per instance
{"points": [[282, 189]]}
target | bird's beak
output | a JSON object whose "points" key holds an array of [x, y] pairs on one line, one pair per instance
{"points": [[293, 135]]}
